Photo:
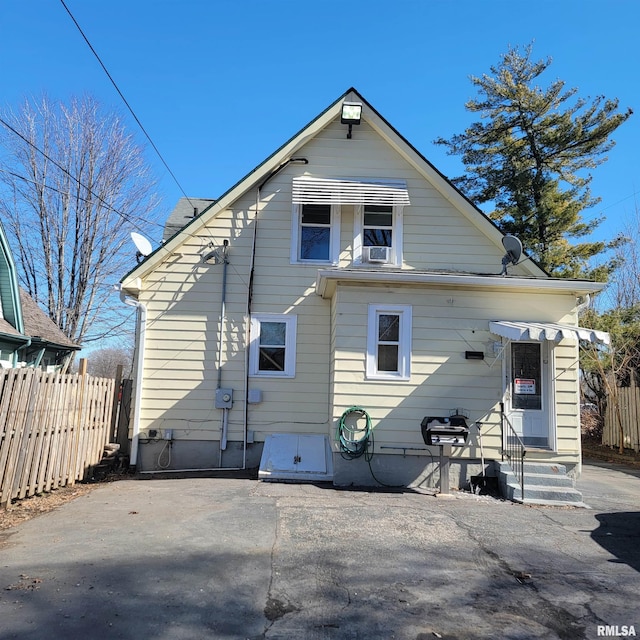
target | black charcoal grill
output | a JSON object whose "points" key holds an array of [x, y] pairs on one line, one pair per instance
{"points": [[445, 433]]}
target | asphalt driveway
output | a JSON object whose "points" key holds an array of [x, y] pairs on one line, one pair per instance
{"points": [[237, 558]]}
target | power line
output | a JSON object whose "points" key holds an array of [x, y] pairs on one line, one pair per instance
{"points": [[124, 216], [63, 193], [113, 82]]}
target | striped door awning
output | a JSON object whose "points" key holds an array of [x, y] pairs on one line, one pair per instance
{"points": [[546, 331], [307, 190]]}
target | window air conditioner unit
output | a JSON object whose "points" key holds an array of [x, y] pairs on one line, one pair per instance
{"points": [[377, 254]]}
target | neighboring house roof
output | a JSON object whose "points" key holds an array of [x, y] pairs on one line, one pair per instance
{"points": [[185, 211], [21, 319], [40, 327], [8, 330]]}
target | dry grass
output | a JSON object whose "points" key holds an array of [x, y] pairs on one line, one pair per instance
{"points": [[21, 510]]}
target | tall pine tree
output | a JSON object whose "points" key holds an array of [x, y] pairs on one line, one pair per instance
{"points": [[530, 156]]}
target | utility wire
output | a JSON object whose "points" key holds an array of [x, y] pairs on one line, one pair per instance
{"points": [[113, 82], [63, 193], [124, 216]]}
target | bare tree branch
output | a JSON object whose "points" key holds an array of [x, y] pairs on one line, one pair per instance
{"points": [[73, 184]]}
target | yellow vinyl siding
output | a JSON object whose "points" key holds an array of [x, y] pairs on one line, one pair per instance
{"points": [[183, 299], [432, 226], [445, 325]]}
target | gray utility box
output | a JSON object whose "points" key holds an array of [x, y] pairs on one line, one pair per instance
{"points": [[224, 398]]}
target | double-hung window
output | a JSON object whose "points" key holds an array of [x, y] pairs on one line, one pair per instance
{"points": [[315, 232], [378, 205], [316, 227], [389, 342], [273, 345], [378, 225]]}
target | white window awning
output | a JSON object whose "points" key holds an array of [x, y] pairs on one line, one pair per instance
{"points": [[308, 190], [546, 331]]}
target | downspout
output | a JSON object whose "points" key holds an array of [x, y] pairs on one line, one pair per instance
{"points": [[26, 345], [586, 299], [142, 325]]}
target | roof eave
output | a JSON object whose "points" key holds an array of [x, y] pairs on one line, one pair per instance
{"points": [[328, 279], [11, 337]]}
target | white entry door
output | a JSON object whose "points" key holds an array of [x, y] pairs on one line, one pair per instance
{"points": [[528, 396]]}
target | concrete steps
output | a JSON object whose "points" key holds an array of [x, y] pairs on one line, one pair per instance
{"points": [[544, 483]]}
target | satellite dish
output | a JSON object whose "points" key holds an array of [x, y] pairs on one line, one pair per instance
{"points": [[142, 245], [513, 247]]}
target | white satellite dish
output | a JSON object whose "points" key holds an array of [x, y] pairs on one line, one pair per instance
{"points": [[513, 247], [142, 245]]}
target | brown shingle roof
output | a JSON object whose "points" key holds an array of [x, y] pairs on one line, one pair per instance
{"points": [[5, 327], [37, 324]]}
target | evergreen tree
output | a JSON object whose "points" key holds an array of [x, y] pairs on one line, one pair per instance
{"points": [[530, 156]]}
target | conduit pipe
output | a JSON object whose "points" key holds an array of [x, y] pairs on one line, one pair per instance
{"points": [[142, 326], [223, 307], [252, 264], [224, 428]]}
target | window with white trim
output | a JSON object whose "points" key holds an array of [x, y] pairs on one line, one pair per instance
{"points": [[378, 226], [316, 230], [314, 239], [389, 342], [273, 345]]}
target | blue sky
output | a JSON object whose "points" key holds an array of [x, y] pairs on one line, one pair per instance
{"points": [[219, 85]]}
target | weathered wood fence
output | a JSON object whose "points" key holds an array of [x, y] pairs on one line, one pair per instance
{"points": [[53, 429], [629, 402]]}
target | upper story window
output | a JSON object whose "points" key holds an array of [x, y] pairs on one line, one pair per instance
{"points": [[378, 226], [315, 232], [378, 205], [316, 229]]}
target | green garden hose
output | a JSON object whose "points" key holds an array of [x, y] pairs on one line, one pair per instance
{"points": [[354, 439], [357, 441]]}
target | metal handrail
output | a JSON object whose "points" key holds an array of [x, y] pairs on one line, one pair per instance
{"points": [[513, 449]]}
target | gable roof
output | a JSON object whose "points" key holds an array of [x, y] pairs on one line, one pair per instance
{"points": [[275, 161]]}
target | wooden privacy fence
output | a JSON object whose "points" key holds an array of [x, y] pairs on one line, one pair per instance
{"points": [[53, 429], [629, 403]]}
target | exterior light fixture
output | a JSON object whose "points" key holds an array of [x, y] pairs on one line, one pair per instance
{"points": [[351, 114]]}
